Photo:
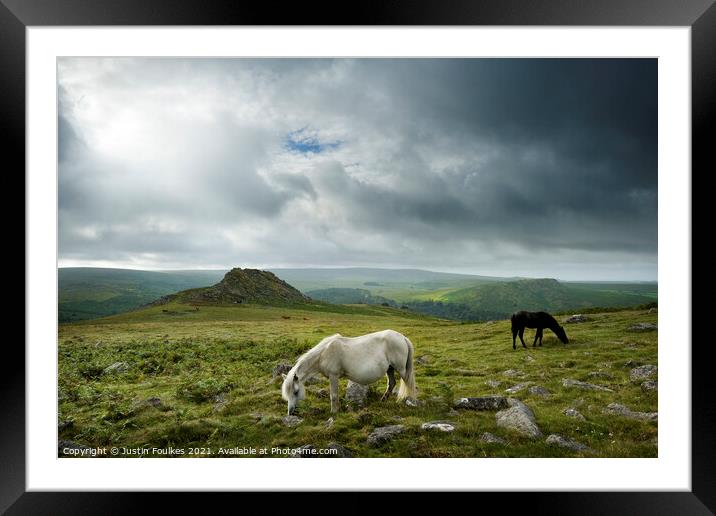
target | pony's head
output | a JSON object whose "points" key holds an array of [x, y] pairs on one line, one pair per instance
{"points": [[292, 390], [561, 334]]}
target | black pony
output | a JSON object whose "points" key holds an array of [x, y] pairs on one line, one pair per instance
{"points": [[539, 320]]}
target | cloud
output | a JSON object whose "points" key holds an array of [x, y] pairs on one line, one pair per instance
{"points": [[537, 167]]}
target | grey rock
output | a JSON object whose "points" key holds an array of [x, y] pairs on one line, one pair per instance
{"points": [[481, 403], [620, 410], [329, 422], [539, 391], [577, 318], [519, 418], [493, 383], [600, 374], [644, 326], [650, 385], [220, 401], [384, 434], [529, 358], [411, 402], [565, 442], [280, 370], [572, 412], [513, 373], [291, 421], [442, 426], [517, 388], [115, 368], [642, 372], [357, 394], [341, 451], [154, 401], [492, 438], [568, 382]]}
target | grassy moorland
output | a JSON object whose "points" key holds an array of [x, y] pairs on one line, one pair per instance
{"points": [[211, 370]]}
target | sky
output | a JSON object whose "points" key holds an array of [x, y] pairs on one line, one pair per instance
{"points": [[502, 167]]}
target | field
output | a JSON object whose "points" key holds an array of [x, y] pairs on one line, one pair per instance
{"points": [[203, 378]]}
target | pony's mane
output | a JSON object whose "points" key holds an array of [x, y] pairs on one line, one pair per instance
{"points": [[307, 361]]}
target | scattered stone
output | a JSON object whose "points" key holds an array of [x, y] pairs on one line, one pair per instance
{"points": [[384, 434], [620, 410], [305, 451], [220, 401], [568, 382], [539, 391], [512, 373], [492, 438], [600, 374], [329, 422], [577, 318], [280, 370], [153, 402], [529, 358], [443, 426], [424, 359], [356, 394], [565, 442], [519, 417], [650, 385], [117, 367], [642, 372], [493, 383], [481, 403], [410, 402], [341, 451], [644, 326], [572, 412], [517, 388], [291, 421]]}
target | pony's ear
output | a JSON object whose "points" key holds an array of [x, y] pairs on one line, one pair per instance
{"points": [[295, 378]]}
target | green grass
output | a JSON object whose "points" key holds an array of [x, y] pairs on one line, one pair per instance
{"points": [[212, 370]]}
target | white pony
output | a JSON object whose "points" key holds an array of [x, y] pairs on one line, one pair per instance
{"points": [[363, 360]]}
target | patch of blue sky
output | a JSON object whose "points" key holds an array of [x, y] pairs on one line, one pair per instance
{"points": [[305, 141]]}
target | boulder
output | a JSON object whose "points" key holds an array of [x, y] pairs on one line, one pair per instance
{"points": [[568, 382], [115, 368], [572, 412], [356, 394], [291, 421], [442, 426], [493, 383], [539, 391], [492, 438], [511, 373], [517, 388], [384, 434], [519, 417], [644, 326], [577, 318], [642, 372], [650, 385], [565, 442], [620, 410], [340, 452], [481, 403]]}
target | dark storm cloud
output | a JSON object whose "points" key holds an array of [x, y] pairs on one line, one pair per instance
{"points": [[448, 163]]}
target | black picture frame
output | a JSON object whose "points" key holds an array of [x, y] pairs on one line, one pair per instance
{"points": [[17, 15]]}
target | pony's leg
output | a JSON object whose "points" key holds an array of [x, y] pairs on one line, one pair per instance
{"points": [[391, 383], [541, 334], [514, 337], [522, 340], [536, 337], [334, 394]]}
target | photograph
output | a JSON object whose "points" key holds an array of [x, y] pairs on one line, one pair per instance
{"points": [[357, 257]]}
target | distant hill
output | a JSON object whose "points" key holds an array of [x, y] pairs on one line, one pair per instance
{"points": [[349, 296], [89, 293], [242, 286]]}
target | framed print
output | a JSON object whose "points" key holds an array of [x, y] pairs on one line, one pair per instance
{"points": [[236, 233]]}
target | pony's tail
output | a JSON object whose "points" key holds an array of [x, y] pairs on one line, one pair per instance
{"points": [[407, 385]]}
